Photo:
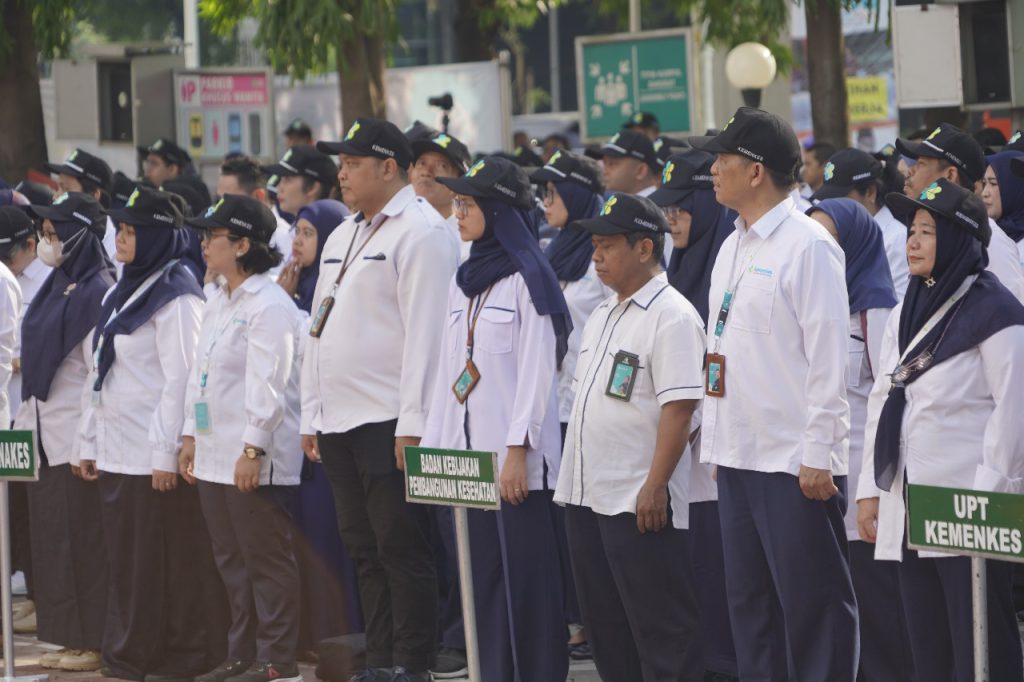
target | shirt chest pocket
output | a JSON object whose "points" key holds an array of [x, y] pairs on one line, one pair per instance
{"points": [[755, 299], [494, 330], [857, 368]]}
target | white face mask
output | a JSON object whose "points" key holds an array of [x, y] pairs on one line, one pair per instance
{"points": [[50, 253]]}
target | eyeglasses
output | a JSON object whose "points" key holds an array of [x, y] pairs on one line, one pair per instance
{"points": [[48, 237], [670, 212], [547, 194], [461, 206], [209, 235]]}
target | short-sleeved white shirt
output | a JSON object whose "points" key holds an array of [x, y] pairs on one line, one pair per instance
{"points": [[610, 443]]}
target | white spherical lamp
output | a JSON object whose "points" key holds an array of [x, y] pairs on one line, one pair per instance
{"points": [[750, 67]]}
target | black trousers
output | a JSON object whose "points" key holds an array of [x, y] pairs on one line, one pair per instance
{"points": [[884, 644], [21, 549], [389, 541], [166, 607], [636, 598], [252, 544]]}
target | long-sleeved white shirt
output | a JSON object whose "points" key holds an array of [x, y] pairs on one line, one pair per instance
{"points": [[375, 360], [610, 443], [250, 348], [134, 427], [10, 324], [582, 296], [514, 402], [1004, 261], [30, 279], [785, 348], [961, 428], [894, 236]]}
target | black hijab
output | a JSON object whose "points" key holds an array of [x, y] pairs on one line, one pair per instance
{"points": [[689, 269], [571, 251]]}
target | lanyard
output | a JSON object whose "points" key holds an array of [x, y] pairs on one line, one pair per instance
{"points": [[347, 263], [146, 285], [730, 293], [934, 319], [223, 322], [471, 319]]}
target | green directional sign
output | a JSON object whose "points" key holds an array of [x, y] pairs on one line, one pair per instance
{"points": [[454, 478], [989, 525], [18, 456], [620, 75]]}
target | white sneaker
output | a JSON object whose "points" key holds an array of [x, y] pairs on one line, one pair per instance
{"points": [[51, 659], [81, 661]]}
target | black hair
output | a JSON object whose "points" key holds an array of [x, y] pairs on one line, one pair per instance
{"points": [[658, 239], [961, 177], [890, 181], [247, 170], [780, 180], [259, 258], [325, 189], [562, 140], [990, 137], [822, 151]]}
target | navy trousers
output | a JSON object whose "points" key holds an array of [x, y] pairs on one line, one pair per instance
{"points": [[786, 571], [518, 592], [884, 643], [937, 599], [708, 566], [636, 598]]}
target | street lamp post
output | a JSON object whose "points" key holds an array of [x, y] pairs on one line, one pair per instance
{"points": [[751, 68]]}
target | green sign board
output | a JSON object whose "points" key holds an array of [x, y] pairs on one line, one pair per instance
{"points": [[18, 456], [989, 525], [620, 75], [455, 478]]}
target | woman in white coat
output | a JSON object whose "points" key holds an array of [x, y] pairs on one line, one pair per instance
{"points": [[945, 411]]}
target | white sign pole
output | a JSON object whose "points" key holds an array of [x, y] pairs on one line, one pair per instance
{"points": [[979, 611], [466, 586], [5, 582]]}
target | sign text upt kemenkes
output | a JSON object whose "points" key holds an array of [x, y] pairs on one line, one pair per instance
{"points": [[455, 478], [18, 457], [989, 525]]}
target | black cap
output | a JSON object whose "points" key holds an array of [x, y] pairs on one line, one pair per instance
{"points": [[493, 177], [420, 131], [634, 145], [684, 173], [1015, 143], [1017, 166], [623, 213], [565, 166], [194, 201], [305, 160], [844, 170], [298, 127], [949, 143], [84, 166], [240, 215], [641, 119], [149, 208], [15, 225], [757, 135], [168, 151], [665, 146], [74, 207], [949, 200], [446, 145], [122, 189], [887, 153], [526, 157], [372, 137], [35, 192]]}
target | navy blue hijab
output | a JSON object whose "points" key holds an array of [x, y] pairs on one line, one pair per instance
{"points": [[509, 245], [325, 215], [1011, 194], [155, 248], [868, 277], [571, 251], [66, 308], [987, 308], [689, 269]]}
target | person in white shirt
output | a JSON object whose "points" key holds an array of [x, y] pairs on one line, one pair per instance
{"points": [[434, 157], [1003, 194], [366, 379], [884, 647], [240, 439], [69, 560], [143, 347], [857, 175], [630, 164], [946, 412], [507, 328], [776, 420], [638, 383], [700, 225], [950, 153]]}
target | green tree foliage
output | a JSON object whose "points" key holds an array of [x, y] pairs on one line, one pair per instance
{"points": [[53, 22]]}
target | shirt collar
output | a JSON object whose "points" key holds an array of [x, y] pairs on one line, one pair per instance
{"points": [[251, 285], [766, 224], [395, 206], [36, 268], [646, 294]]}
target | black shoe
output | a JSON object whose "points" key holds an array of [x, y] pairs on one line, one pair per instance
{"points": [[107, 671], [270, 672], [580, 652], [372, 675], [451, 664], [400, 674], [229, 668]]}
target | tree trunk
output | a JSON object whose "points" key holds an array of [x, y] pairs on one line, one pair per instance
{"points": [[361, 79], [22, 134], [475, 41], [826, 56]]}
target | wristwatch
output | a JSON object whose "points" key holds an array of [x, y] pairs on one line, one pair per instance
{"points": [[253, 452]]}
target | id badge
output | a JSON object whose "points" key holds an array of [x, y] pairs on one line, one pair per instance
{"points": [[317, 327], [625, 367], [202, 417], [714, 375], [466, 382]]}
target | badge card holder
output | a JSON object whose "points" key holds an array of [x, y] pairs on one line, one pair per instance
{"points": [[316, 328], [714, 375], [625, 367], [469, 377]]}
